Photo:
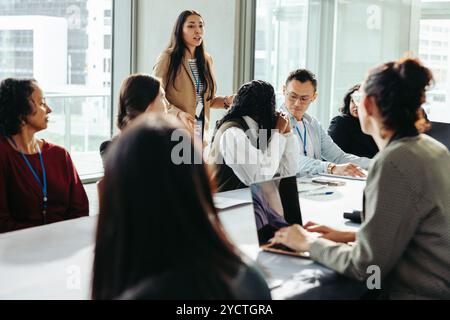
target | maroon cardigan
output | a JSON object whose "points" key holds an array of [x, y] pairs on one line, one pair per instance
{"points": [[21, 195]]}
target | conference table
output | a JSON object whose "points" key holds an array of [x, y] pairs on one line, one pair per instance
{"points": [[55, 261]]}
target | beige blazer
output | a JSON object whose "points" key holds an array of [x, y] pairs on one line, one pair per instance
{"points": [[184, 96]]}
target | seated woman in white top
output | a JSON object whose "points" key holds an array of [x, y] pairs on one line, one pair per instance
{"points": [[253, 142]]}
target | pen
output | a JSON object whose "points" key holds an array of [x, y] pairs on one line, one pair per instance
{"points": [[321, 194]]}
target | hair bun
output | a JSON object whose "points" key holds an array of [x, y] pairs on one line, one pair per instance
{"points": [[413, 74]]}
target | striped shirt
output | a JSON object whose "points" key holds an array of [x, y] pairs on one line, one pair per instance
{"points": [[199, 86]]}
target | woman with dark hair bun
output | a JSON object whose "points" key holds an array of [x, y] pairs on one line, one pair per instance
{"points": [[405, 232], [38, 180], [151, 247], [345, 129], [253, 142]]}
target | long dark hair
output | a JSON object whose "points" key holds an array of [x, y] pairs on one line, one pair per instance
{"points": [[345, 109], [136, 93], [157, 216], [176, 50], [255, 99], [399, 90]]}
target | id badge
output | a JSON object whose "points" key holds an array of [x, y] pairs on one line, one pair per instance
{"points": [[199, 128]]}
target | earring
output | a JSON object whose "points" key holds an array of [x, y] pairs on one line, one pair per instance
{"points": [[383, 132]]}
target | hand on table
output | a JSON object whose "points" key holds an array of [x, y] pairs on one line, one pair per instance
{"points": [[348, 169], [330, 233], [294, 237]]}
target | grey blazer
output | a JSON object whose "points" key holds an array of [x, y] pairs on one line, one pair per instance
{"points": [[406, 227]]}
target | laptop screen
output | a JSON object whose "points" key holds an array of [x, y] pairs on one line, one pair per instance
{"points": [[275, 205]]}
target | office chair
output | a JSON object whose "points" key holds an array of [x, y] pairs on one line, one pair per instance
{"points": [[441, 132]]}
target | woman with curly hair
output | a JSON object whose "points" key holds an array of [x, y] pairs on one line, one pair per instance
{"points": [[345, 129], [38, 180]]}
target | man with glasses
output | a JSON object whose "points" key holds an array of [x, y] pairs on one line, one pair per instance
{"points": [[319, 154]]}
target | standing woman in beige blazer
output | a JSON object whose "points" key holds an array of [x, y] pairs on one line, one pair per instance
{"points": [[187, 74]]}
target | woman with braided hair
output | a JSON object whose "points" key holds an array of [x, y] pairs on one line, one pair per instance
{"points": [[253, 142]]}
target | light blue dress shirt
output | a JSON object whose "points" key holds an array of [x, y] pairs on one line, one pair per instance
{"points": [[325, 150]]}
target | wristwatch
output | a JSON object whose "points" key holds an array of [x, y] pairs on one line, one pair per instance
{"points": [[330, 168], [225, 102]]}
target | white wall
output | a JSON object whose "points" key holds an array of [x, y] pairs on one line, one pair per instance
{"points": [[153, 33]]}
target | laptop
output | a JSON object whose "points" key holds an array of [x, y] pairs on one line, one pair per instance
{"points": [[276, 205]]}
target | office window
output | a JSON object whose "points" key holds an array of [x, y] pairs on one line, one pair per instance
{"points": [[435, 58], [436, 43], [338, 40], [281, 29], [107, 65], [365, 39], [107, 42], [439, 98], [107, 17], [16, 56], [437, 105], [60, 44]]}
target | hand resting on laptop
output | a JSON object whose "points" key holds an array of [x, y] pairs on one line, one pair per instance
{"points": [[300, 238]]}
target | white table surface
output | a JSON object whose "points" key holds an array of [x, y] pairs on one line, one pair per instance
{"points": [[55, 261]]}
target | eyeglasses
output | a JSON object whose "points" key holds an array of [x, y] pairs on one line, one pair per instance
{"points": [[293, 97], [357, 97]]}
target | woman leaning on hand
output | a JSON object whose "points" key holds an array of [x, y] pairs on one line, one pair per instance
{"points": [[187, 74]]}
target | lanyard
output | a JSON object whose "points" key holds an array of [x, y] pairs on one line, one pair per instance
{"points": [[42, 184], [199, 118], [302, 138]]}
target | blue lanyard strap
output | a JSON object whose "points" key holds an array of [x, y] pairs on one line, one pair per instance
{"points": [[302, 138], [42, 184]]}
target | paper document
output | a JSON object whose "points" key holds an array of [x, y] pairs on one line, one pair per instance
{"points": [[232, 198], [308, 187], [342, 177]]}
